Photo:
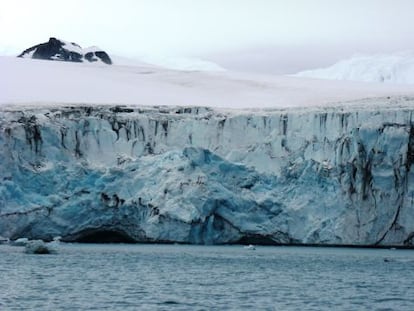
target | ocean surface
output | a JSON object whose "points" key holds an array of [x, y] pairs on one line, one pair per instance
{"points": [[183, 277]]}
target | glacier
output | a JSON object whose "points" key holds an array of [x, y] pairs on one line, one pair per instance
{"points": [[332, 175]]}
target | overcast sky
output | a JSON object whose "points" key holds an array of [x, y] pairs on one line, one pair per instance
{"points": [[269, 35]]}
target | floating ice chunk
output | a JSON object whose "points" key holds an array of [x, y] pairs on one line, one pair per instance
{"points": [[20, 242], [39, 247], [54, 244], [57, 239], [250, 247]]}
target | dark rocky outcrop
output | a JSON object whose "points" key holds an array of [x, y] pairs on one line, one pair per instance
{"points": [[94, 56], [56, 49]]}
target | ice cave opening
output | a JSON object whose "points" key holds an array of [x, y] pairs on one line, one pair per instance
{"points": [[103, 236]]}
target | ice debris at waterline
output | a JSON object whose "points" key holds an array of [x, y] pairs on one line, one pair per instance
{"points": [[340, 175], [250, 247], [19, 242], [39, 247]]}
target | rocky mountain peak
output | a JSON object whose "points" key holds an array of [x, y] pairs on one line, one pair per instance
{"points": [[56, 49]]}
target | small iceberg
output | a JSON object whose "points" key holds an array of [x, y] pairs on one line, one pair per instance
{"points": [[39, 247], [55, 242], [20, 242], [250, 247]]}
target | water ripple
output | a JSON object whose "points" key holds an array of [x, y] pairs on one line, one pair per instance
{"points": [[178, 277]]}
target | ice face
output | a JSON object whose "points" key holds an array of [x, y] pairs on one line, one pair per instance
{"points": [[198, 175]]}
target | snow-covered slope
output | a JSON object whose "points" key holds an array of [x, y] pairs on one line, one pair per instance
{"points": [[28, 81], [181, 63], [384, 68]]}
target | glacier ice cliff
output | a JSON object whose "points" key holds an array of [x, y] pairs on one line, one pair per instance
{"points": [[332, 176]]}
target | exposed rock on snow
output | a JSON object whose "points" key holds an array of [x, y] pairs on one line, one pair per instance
{"points": [[56, 49], [94, 54], [386, 68], [339, 175]]}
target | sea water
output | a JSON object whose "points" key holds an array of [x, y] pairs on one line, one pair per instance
{"points": [[184, 277]]}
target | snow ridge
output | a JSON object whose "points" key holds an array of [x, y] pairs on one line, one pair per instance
{"points": [[384, 68]]}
